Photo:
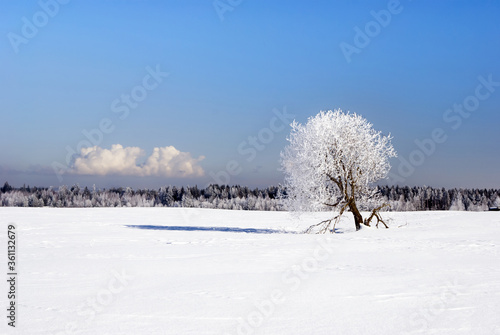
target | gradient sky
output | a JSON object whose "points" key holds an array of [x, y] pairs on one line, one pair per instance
{"points": [[232, 67]]}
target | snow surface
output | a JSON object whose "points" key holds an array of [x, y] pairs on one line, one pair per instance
{"points": [[115, 271]]}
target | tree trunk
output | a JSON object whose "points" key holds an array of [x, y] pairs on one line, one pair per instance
{"points": [[358, 219]]}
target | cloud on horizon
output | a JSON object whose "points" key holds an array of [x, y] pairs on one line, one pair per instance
{"points": [[119, 160]]}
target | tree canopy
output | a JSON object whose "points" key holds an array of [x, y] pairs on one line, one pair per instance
{"points": [[332, 162]]}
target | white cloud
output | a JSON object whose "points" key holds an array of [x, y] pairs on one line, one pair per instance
{"points": [[163, 162]]}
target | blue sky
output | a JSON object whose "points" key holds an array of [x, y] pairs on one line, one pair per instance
{"points": [[233, 67]]}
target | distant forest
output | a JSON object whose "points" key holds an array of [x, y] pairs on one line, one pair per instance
{"points": [[238, 197]]}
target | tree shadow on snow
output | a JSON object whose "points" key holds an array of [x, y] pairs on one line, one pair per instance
{"points": [[220, 229]]}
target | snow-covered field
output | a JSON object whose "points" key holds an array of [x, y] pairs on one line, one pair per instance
{"points": [[192, 271]]}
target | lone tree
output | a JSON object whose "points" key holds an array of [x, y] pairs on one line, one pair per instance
{"points": [[331, 163]]}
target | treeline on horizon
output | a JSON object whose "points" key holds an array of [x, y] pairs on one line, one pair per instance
{"points": [[239, 197]]}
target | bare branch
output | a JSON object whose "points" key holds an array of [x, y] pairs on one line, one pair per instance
{"points": [[324, 222], [375, 213]]}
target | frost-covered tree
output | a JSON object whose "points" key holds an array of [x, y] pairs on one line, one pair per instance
{"points": [[497, 202], [331, 163], [458, 203]]}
